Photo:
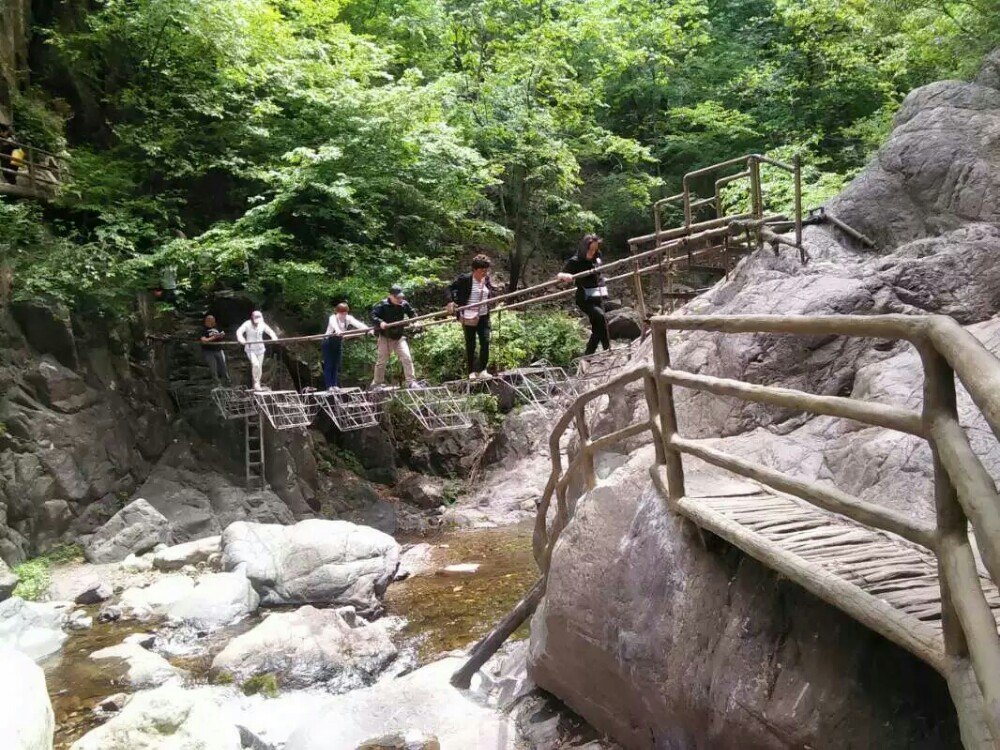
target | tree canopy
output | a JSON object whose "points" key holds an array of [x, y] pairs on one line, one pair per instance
{"points": [[319, 149]]}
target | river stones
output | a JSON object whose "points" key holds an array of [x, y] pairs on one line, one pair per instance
{"points": [[313, 562], [188, 553]]}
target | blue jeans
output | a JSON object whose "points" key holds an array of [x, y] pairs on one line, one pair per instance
{"points": [[333, 356]]}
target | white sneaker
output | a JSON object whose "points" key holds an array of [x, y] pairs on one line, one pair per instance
{"points": [[485, 375], [473, 376]]}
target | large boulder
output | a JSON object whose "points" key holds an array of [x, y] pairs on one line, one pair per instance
{"points": [[144, 669], [188, 553], [136, 528], [313, 562], [310, 646], [660, 639], [624, 323], [422, 701], [33, 628], [167, 717], [423, 491], [26, 718], [937, 171], [219, 599], [146, 603], [8, 581]]}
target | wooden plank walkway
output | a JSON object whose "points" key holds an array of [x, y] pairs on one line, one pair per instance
{"points": [[882, 581]]}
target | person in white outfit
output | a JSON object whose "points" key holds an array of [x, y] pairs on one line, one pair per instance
{"points": [[333, 346], [251, 335]]}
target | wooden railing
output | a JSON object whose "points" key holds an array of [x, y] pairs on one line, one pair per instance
{"points": [[29, 171], [964, 492]]}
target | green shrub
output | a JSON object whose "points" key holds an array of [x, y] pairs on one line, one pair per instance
{"points": [[517, 340], [35, 574], [264, 684], [35, 578]]}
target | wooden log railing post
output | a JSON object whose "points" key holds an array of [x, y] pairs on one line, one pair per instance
{"points": [[939, 395], [583, 430], [668, 416], [797, 163]]}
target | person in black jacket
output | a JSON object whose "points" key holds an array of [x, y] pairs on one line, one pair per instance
{"points": [[391, 338], [590, 290], [472, 289]]}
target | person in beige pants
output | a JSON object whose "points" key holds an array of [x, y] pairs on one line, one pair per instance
{"points": [[393, 309]]}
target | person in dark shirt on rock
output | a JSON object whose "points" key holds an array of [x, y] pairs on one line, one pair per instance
{"points": [[391, 338], [590, 290], [211, 351], [474, 289]]}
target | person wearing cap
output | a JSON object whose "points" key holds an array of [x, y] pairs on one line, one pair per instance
{"points": [[251, 335], [469, 290], [333, 345], [387, 316], [591, 290]]}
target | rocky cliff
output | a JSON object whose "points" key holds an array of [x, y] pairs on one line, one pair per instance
{"points": [[668, 638]]}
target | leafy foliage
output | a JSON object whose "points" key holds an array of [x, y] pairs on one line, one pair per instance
{"points": [[35, 574], [310, 150]]}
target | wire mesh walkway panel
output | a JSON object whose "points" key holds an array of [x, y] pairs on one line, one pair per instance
{"points": [[349, 408], [285, 410], [191, 396], [435, 408], [234, 403], [540, 386]]}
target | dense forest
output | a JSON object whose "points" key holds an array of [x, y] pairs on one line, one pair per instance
{"points": [[313, 149]]}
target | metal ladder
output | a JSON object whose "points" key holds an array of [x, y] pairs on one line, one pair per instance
{"points": [[253, 445]]}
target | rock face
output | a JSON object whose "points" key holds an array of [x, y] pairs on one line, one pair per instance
{"points": [[33, 628], [310, 646], [26, 718], [218, 599], [719, 653], [8, 581], [136, 528], [168, 716], [314, 561], [199, 502], [420, 701]]}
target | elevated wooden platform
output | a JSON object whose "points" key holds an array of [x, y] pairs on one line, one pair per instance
{"points": [[877, 578]]}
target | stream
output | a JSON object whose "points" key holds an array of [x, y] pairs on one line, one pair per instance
{"points": [[442, 612]]}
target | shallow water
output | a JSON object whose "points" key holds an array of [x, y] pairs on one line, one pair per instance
{"points": [[443, 613]]}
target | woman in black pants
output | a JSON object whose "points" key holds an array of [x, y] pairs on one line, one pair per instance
{"points": [[590, 290], [474, 288]]}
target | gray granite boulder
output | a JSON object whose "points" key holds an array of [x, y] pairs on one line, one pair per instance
{"points": [[314, 561], [217, 600], [310, 646], [136, 528], [8, 581], [33, 628], [26, 718]]}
